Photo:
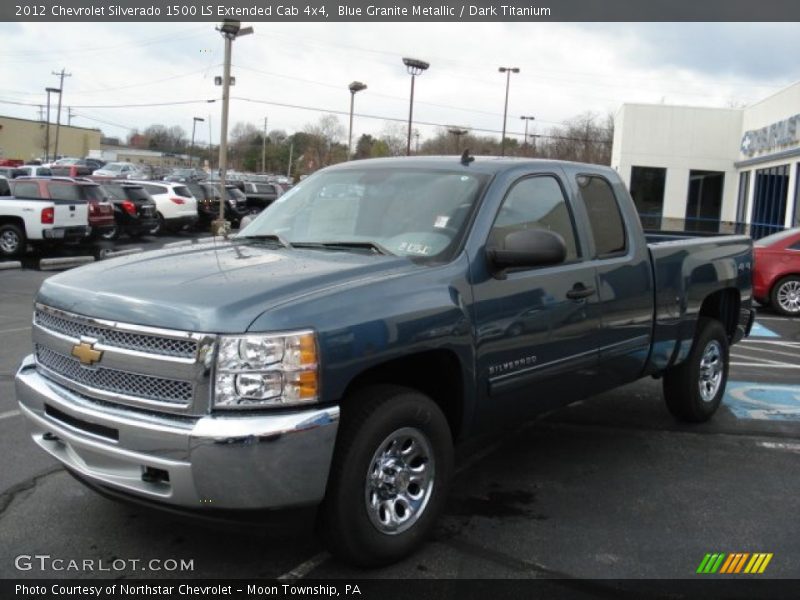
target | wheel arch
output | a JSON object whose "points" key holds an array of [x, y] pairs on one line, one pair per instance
{"points": [[723, 305]]}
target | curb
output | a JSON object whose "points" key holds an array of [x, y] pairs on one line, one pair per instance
{"points": [[11, 264], [177, 244], [57, 264], [123, 252]]}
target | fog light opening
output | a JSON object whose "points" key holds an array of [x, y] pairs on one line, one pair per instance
{"points": [[151, 475]]}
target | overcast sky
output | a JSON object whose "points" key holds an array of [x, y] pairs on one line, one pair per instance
{"points": [[566, 69]]}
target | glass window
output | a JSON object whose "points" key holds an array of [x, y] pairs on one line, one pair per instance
{"points": [[604, 216], [536, 203], [63, 191], [5, 190], [770, 194], [705, 200], [741, 202], [27, 189], [182, 190], [796, 221], [647, 190]]}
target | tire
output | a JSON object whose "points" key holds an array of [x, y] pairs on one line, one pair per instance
{"points": [[694, 389], [111, 234], [785, 296], [12, 240], [156, 230], [356, 518]]}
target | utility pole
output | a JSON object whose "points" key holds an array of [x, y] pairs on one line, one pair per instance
{"points": [[210, 146], [416, 135], [69, 116], [264, 148], [508, 71], [49, 91], [291, 153], [60, 96]]}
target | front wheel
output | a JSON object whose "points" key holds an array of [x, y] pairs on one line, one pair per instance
{"points": [[785, 296], [159, 227], [693, 389], [389, 478]]}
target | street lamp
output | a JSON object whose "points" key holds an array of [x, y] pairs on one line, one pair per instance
{"points": [[457, 132], [415, 67], [230, 30], [526, 119], [508, 71], [50, 90], [191, 148], [354, 88]]}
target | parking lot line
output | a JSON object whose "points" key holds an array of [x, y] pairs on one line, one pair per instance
{"points": [[772, 342], [760, 359], [15, 329], [768, 350], [766, 366], [780, 446], [304, 568], [9, 413]]}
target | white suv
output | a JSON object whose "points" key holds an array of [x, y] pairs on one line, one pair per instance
{"points": [[176, 206]]}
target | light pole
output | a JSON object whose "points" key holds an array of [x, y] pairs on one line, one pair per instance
{"points": [[416, 137], [526, 119], [58, 114], [457, 132], [264, 147], [230, 30], [354, 88], [415, 67], [50, 90], [508, 71], [191, 148]]}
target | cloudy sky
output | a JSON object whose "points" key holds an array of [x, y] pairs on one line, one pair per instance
{"points": [[566, 69]]}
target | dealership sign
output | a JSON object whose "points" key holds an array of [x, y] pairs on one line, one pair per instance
{"points": [[782, 133]]}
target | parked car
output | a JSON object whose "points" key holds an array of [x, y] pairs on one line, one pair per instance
{"points": [[176, 207], [93, 163], [120, 170], [207, 195], [261, 195], [12, 172], [135, 210], [323, 385], [38, 222], [186, 175], [65, 189], [36, 171], [73, 170], [776, 274]]}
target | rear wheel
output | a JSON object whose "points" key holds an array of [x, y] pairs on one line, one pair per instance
{"points": [[159, 227], [785, 296], [12, 240], [389, 477], [693, 389], [111, 234]]}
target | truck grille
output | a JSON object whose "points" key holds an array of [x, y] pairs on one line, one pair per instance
{"points": [[150, 344], [117, 382]]}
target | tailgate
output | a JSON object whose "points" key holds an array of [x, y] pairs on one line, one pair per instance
{"points": [[70, 214]]}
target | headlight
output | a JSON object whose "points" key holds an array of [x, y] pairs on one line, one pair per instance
{"points": [[255, 371]]}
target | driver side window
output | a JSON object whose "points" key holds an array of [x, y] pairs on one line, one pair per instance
{"points": [[536, 203]]}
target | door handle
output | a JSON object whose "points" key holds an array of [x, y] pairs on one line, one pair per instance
{"points": [[580, 291]]}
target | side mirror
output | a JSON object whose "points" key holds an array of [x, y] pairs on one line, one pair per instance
{"points": [[528, 248]]}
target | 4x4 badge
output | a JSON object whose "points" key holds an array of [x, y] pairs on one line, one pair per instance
{"points": [[85, 352]]}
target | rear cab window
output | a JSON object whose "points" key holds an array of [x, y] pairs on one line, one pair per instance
{"points": [[26, 189], [64, 191], [605, 218]]}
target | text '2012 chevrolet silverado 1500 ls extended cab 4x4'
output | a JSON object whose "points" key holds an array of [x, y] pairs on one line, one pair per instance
{"points": [[334, 351]]}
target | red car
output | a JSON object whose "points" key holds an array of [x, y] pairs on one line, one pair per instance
{"points": [[776, 273]]}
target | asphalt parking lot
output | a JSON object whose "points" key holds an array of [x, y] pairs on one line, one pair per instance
{"points": [[611, 487]]}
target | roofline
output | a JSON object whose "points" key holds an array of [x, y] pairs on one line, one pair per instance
{"points": [[43, 123]]}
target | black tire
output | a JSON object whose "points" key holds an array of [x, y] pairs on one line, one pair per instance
{"points": [[12, 240], [111, 234], [370, 419], [158, 229], [785, 296], [683, 383]]}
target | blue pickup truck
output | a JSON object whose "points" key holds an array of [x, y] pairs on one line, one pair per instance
{"points": [[335, 350]]}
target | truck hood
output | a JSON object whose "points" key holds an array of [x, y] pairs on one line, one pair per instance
{"points": [[210, 287]]}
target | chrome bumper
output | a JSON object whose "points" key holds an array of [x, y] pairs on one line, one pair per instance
{"points": [[231, 462]]}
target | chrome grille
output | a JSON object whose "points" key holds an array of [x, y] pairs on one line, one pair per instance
{"points": [[151, 344], [118, 382]]}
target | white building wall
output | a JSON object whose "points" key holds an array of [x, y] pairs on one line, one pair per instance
{"points": [[680, 139]]}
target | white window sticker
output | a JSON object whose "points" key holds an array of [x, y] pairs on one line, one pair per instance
{"points": [[441, 222]]}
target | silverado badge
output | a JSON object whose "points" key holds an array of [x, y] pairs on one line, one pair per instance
{"points": [[85, 352]]}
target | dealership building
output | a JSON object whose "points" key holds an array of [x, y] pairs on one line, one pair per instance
{"points": [[713, 169]]}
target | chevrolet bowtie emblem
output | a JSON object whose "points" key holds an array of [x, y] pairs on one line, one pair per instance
{"points": [[86, 353]]}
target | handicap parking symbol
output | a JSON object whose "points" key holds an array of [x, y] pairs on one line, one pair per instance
{"points": [[758, 330], [763, 401]]}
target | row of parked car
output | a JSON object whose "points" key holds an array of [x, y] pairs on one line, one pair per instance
{"points": [[42, 209]]}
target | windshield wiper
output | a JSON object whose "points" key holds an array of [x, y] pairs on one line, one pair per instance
{"points": [[373, 247], [267, 237]]}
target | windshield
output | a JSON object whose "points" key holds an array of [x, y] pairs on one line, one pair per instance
{"points": [[410, 212], [114, 166]]}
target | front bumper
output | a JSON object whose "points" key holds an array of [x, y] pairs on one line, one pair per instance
{"points": [[260, 461]]}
